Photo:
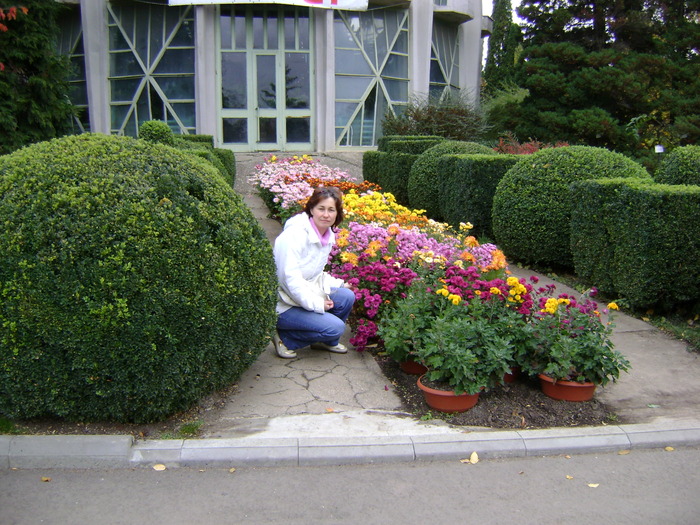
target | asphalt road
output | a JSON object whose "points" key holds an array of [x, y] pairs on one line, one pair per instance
{"points": [[642, 487]]}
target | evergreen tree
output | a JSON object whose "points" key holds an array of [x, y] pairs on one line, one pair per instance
{"points": [[502, 48], [622, 74], [34, 104]]}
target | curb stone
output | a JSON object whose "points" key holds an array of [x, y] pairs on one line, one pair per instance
{"points": [[31, 452]]}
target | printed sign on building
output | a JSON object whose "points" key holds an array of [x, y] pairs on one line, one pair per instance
{"points": [[348, 5]]}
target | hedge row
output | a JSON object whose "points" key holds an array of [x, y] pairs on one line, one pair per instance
{"points": [[638, 239], [680, 166], [415, 144], [532, 208], [424, 179], [467, 184], [390, 171]]}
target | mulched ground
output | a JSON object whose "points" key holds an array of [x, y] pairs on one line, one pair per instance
{"points": [[518, 405]]}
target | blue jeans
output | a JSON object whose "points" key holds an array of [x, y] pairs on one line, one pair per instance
{"points": [[299, 328]]}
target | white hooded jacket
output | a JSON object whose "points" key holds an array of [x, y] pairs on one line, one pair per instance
{"points": [[300, 258]]}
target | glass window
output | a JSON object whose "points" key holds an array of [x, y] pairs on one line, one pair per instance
{"points": [[351, 87], [297, 80], [267, 129], [267, 81], [225, 30], [235, 130], [298, 129], [176, 61], [233, 80]]}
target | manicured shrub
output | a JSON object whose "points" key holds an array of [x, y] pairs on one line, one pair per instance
{"points": [[532, 208], [680, 166], [424, 178], [157, 132], [383, 142], [467, 186], [390, 171], [644, 244], [134, 281], [411, 146], [201, 139]]}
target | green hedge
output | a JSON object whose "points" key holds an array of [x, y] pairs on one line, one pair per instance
{"points": [[383, 142], [467, 186], [649, 238], [532, 208], [390, 171], [424, 179], [134, 281], [413, 147], [680, 166], [207, 140]]}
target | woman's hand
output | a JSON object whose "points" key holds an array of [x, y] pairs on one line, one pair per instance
{"points": [[327, 304]]}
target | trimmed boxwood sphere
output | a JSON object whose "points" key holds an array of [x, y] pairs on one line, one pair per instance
{"points": [[134, 281], [531, 207], [423, 189], [680, 166]]}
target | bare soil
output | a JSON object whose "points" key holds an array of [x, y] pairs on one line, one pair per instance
{"points": [[517, 405]]}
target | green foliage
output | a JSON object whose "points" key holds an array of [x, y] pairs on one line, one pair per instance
{"points": [[645, 245], [390, 171], [134, 281], [34, 104], [584, 355], [157, 132], [202, 139], [532, 208], [383, 142], [621, 78], [412, 146], [467, 186], [680, 166], [452, 116], [504, 46], [470, 353], [424, 179]]}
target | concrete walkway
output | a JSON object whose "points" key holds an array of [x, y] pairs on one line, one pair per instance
{"points": [[326, 408]]}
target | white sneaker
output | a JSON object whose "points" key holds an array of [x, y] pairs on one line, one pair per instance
{"points": [[281, 349], [337, 349]]}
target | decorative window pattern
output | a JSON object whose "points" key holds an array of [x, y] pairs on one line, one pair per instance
{"points": [[444, 60], [151, 63], [70, 44], [371, 72]]}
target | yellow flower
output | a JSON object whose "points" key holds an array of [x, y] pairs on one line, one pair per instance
{"points": [[512, 281], [613, 306], [465, 226], [495, 291], [477, 292], [443, 291], [349, 257], [455, 299]]}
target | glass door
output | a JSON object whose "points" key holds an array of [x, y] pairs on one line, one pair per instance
{"points": [[266, 79]]}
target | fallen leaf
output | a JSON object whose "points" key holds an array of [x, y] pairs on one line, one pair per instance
{"points": [[645, 319], [653, 406], [232, 470], [594, 485], [569, 477], [669, 449], [465, 460], [45, 479], [474, 458], [329, 409], [623, 452], [159, 467], [386, 387], [521, 472], [567, 456]]}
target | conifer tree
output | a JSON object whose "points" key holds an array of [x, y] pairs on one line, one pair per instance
{"points": [[34, 104], [502, 48]]}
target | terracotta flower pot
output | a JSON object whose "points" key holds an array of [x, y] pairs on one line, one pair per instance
{"points": [[412, 367], [566, 390], [512, 376], [446, 400]]}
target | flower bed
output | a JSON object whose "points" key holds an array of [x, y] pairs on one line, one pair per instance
{"points": [[403, 265]]}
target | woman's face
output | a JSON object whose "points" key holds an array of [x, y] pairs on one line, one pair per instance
{"points": [[324, 214]]}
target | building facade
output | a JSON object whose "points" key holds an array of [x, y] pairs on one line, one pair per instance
{"points": [[273, 76]]}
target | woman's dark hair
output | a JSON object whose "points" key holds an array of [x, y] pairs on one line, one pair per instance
{"points": [[323, 192]]}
